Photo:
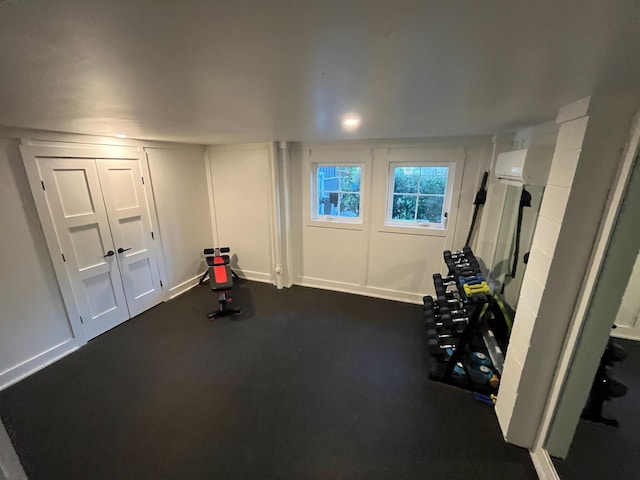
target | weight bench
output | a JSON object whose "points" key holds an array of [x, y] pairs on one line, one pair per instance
{"points": [[220, 279]]}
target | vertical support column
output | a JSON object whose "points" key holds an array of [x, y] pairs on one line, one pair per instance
{"points": [[285, 205], [212, 202], [591, 136], [276, 218]]}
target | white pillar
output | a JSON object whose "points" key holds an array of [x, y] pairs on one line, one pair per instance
{"points": [[592, 133]]}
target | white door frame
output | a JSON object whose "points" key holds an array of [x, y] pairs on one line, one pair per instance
{"points": [[30, 151]]}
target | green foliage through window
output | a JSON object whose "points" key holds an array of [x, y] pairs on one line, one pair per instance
{"points": [[418, 194], [338, 191]]}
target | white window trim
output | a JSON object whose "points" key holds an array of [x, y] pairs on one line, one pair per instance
{"points": [[335, 221], [439, 229]]}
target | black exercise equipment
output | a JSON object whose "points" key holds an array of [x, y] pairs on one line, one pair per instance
{"points": [[481, 199], [604, 386], [525, 201], [221, 280], [458, 324]]}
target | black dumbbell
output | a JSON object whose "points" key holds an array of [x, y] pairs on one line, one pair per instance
{"points": [[452, 323], [434, 348], [434, 310], [439, 350], [454, 255], [440, 283], [438, 326], [450, 320], [444, 280], [613, 353], [447, 302], [456, 325], [436, 330], [441, 336], [465, 272]]}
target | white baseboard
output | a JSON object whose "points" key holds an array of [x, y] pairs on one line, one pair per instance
{"points": [[255, 276], [618, 334], [543, 465], [386, 294], [37, 362], [183, 287], [193, 282]]}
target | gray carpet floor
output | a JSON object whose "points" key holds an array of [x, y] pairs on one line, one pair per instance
{"points": [[306, 384]]}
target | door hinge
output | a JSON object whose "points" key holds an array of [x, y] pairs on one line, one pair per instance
{"points": [[152, 237], [42, 183], [63, 259], [142, 180], [81, 321], [161, 286]]}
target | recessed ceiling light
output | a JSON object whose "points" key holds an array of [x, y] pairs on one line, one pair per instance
{"points": [[350, 122], [121, 135]]}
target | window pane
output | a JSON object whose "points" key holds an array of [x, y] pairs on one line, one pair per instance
{"points": [[433, 180], [350, 178], [404, 207], [405, 179], [327, 179], [350, 205], [327, 203], [430, 209]]}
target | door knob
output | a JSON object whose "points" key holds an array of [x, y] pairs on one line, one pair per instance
{"points": [[110, 253], [120, 250]]}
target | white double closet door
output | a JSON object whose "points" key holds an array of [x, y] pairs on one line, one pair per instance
{"points": [[101, 217]]}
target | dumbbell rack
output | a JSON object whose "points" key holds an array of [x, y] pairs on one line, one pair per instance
{"points": [[605, 386], [455, 319]]}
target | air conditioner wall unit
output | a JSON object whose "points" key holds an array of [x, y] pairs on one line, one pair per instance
{"points": [[527, 166]]}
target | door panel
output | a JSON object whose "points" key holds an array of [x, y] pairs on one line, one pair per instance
{"points": [[87, 244], [141, 277], [74, 191], [126, 206], [100, 294], [77, 209]]}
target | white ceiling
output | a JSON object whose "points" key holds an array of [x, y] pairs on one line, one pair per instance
{"points": [[207, 71]]}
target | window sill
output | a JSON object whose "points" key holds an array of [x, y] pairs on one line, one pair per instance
{"points": [[414, 230], [337, 224]]}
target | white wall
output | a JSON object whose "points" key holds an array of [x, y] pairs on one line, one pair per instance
{"points": [[33, 322], [34, 326], [181, 193], [242, 198], [371, 258]]}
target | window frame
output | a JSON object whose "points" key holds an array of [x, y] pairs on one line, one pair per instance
{"points": [[313, 197], [420, 224]]}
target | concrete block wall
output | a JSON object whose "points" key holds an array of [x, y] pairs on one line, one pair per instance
{"points": [[584, 165]]}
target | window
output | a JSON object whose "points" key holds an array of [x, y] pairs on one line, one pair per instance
{"points": [[336, 192], [418, 195]]}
